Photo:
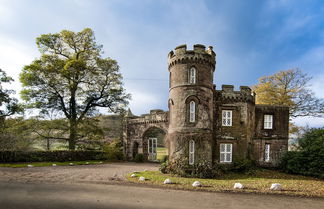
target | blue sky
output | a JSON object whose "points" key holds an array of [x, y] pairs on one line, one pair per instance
{"points": [[250, 38]]}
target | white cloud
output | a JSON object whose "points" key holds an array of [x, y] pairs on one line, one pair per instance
{"points": [[143, 102], [309, 121], [5, 12], [13, 56]]}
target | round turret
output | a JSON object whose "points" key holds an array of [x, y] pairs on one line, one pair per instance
{"points": [[191, 103]]}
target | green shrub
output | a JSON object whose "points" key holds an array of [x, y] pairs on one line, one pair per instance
{"points": [[243, 166], [114, 151], [57, 156], [309, 158], [164, 167], [139, 158]]}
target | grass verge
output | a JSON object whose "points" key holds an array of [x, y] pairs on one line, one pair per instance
{"points": [[43, 164], [259, 182]]}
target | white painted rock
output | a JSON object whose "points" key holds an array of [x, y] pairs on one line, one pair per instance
{"points": [[142, 178], [30, 166], [54, 165], [196, 184], [71, 164], [276, 187], [87, 163], [238, 186], [133, 175], [167, 181], [100, 162]]}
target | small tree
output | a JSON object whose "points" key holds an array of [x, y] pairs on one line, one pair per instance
{"points": [[290, 88], [309, 157], [8, 105], [72, 78]]}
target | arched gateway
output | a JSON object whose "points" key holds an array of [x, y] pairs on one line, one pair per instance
{"points": [[146, 134]]}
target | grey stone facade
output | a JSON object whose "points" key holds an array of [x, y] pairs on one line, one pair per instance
{"points": [[224, 125]]}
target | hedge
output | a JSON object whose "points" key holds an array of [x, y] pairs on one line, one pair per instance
{"points": [[50, 156]]}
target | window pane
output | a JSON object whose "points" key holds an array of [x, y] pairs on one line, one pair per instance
{"points": [[224, 122], [222, 157], [228, 147], [222, 147], [228, 157]]}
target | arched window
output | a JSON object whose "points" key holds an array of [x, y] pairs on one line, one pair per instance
{"points": [[192, 111], [192, 75], [191, 152]]}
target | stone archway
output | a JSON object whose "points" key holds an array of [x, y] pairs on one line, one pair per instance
{"points": [[155, 146], [139, 129]]}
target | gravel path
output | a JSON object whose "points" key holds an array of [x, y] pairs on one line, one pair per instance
{"points": [[71, 174]]}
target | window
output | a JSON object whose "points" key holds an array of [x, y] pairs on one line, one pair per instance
{"points": [[225, 153], [192, 111], [191, 152], [268, 121], [227, 117], [192, 75], [267, 152]]}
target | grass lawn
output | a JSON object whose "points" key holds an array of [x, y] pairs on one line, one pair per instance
{"points": [[42, 164], [161, 152], [259, 182]]}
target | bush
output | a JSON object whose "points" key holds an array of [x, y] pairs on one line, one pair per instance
{"points": [[204, 169], [139, 158], [50, 156], [164, 167], [114, 151], [309, 158], [243, 166]]}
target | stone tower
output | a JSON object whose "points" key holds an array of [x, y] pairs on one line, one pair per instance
{"points": [[190, 132]]}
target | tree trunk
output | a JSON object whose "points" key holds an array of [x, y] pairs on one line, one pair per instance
{"points": [[73, 134]]}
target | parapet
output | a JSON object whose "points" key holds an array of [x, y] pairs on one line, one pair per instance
{"points": [[199, 54], [229, 94], [155, 116]]}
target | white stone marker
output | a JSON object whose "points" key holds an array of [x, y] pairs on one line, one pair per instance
{"points": [[167, 181], [54, 165], [142, 178], [238, 186], [87, 163], [276, 187], [133, 175], [71, 164], [30, 166], [196, 184]]}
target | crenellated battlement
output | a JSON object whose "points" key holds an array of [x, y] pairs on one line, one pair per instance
{"points": [[228, 93], [199, 54], [155, 116]]}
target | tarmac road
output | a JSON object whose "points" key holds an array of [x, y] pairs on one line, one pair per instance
{"points": [[40, 195]]}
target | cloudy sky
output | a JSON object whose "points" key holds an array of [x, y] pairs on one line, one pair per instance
{"points": [[250, 38]]}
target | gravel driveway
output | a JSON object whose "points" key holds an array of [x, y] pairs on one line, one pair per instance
{"points": [[71, 174]]}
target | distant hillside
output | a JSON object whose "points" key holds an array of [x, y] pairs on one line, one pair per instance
{"points": [[112, 124]]}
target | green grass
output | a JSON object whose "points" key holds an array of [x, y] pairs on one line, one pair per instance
{"points": [[42, 164], [259, 182], [161, 152]]}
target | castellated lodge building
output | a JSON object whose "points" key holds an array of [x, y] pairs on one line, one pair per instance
{"points": [[205, 124]]}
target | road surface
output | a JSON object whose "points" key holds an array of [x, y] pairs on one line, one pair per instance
{"points": [[123, 196]]}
